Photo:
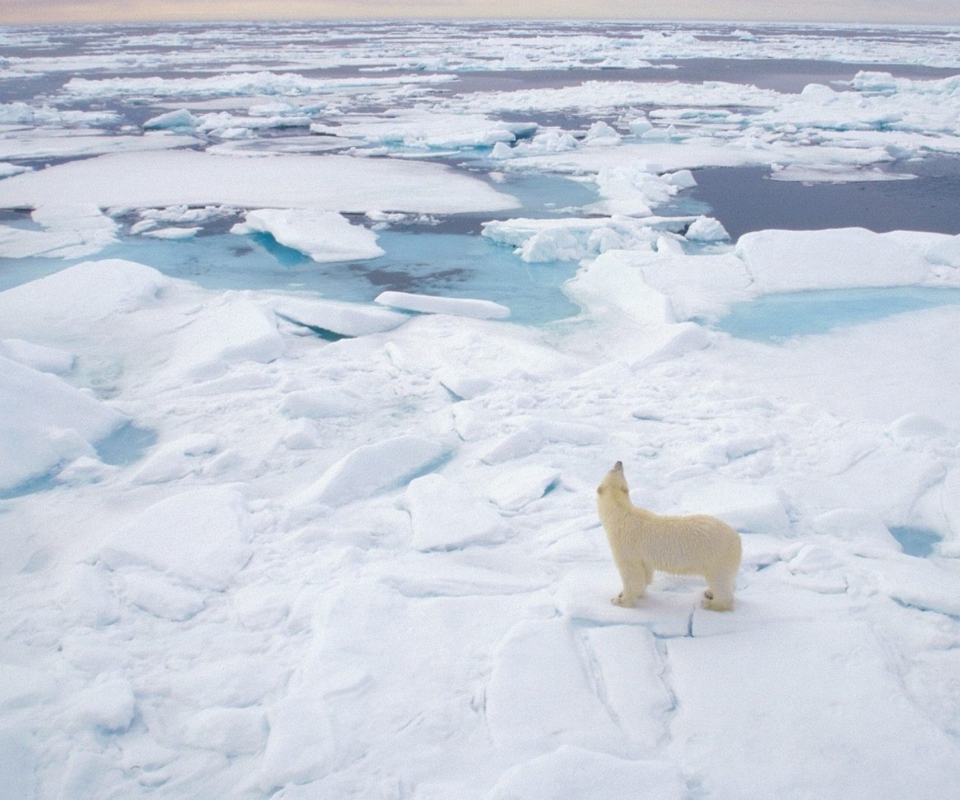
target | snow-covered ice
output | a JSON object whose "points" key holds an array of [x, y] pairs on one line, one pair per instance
{"points": [[332, 183], [285, 543]]}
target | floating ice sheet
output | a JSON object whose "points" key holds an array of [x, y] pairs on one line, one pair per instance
{"points": [[332, 183]]}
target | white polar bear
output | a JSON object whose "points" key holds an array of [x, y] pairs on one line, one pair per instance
{"points": [[643, 542]]}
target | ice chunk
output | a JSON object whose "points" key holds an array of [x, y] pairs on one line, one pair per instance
{"points": [[612, 286], [834, 173], [341, 318], [784, 261], [108, 706], [587, 588], [177, 459], [173, 234], [78, 296], [430, 129], [180, 120], [636, 187], [951, 510], [321, 403], [746, 507], [434, 575], [572, 773], [21, 687], [161, 598], [455, 306], [514, 445], [464, 387], [445, 515], [847, 705], [862, 529], [305, 742], [632, 675], [18, 765], [918, 583], [69, 231], [89, 596], [375, 468], [668, 342], [946, 252], [231, 731], [640, 125], [200, 537], [234, 330], [322, 235], [540, 695], [516, 488], [45, 422], [707, 229], [39, 357], [572, 239], [601, 134], [547, 142], [911, 426], [7, 169]]}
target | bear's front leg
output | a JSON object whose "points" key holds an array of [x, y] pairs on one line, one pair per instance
{"points": [[635, 583]]}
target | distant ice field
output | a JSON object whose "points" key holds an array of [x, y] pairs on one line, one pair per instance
{"points": [[256, 114]]}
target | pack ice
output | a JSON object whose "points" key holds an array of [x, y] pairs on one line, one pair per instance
{"points": [[269, 544]]}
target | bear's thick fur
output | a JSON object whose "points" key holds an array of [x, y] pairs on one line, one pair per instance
{"points": [[643, 542]]}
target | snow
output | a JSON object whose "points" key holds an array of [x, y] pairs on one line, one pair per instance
{"points": [[267, 543]]}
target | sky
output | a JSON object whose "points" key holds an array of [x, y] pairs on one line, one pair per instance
{"points": [[934, 12]]}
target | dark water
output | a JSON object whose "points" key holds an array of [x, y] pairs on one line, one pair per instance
{"points": [[744, 199]]}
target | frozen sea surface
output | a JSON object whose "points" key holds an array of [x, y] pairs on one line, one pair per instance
{"points": [[316, 340]]}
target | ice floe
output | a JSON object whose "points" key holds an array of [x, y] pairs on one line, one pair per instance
{"points": [[331, 183], [322, 235]]}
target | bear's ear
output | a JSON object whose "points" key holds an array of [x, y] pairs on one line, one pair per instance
{"points": [[601, 488]]}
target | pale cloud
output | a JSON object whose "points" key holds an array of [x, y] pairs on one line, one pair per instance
{"points": [[945, 12]]}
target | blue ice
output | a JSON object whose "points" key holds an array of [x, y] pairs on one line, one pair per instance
{"points": [[777, 317], [125, 445], [915, 541]]}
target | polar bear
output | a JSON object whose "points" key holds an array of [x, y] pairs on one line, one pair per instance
{"points": [[643, 542]]}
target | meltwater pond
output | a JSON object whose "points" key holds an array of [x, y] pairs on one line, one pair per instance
{"points": [[419, 260], [777, 317], [444, 256]]}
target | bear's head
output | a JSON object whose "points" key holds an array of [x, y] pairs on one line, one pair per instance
{"points": [[614, 481]]}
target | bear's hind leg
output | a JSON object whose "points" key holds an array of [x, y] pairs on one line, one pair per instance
{"points": [[719, 594]]}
